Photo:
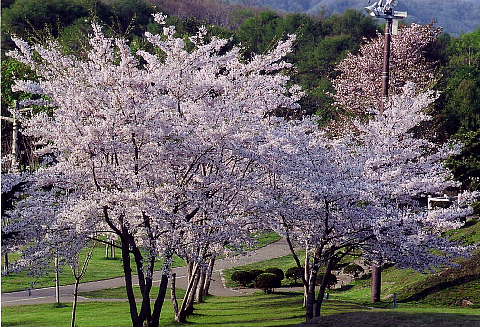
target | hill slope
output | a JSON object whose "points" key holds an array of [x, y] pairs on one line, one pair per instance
{"points": [[448, 287], [455, 16]]}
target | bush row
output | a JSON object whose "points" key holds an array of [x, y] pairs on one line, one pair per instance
{"points": [[271, 278]]}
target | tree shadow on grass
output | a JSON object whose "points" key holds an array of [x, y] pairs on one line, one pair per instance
{"points": [[397, 319], [265, 299], [253, 322], [8, 324]]}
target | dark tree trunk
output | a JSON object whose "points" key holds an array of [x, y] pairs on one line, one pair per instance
{"points": [[306, 278], [75, 301], [311, 289], [157, 308], [182, 314], [191, 298], [174, 295], [323, 288], [201, 285], [376, 283], [127, 269]]}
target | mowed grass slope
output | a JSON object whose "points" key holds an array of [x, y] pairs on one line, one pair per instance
{"points": [[259, 310], [99, 268], [448, 287]]}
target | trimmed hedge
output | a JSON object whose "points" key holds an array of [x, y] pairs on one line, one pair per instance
{"points": [[267, 282], [276, 271], [255, 273], [295, 273], [242, 277], [331, 280]]}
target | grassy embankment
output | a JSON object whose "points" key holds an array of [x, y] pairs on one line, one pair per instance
{"points": [[445, 288], [98, 269], [448, 287], [259, 310]]}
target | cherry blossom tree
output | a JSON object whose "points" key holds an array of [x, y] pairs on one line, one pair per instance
{"points": [[357, 87], [155, 148], [13, 184], [362, 191], [312, 197]]}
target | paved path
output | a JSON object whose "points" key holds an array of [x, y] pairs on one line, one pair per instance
{"points": [[47, 295]]}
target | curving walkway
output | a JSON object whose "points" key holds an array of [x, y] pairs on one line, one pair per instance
{"points": [[47, 295]]}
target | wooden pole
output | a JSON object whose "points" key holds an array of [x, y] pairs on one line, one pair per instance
{"points": [[376, 270], [386, 62], [57, 280]]}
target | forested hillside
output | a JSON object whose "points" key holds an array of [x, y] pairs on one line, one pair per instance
{"points": [[456, 17]]}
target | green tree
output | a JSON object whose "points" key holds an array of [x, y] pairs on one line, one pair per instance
{"points": [[466, 165], [321, 44], [26, 16], [459, 105], [258, 33]]}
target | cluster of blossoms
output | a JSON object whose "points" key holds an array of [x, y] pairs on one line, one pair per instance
{"points": [[182, 153], [356, 87]]}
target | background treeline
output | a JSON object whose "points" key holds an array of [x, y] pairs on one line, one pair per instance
{"points": [[456, 16], [322, 42]]}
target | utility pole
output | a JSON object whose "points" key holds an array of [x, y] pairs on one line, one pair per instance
{"points": [[15, 165], [384, 9], [386, 61]]}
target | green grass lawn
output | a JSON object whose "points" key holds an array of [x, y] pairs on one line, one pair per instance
{"points": [[265, 238], [258, 310], [121, 293], [99, 268], [468, 234]]}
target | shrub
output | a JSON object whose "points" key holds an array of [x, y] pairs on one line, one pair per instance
{"points": [[353, 270], [267, 282], [255, 273], [242, 277], [276, 271], [294, 273], [340, 266], [331, 280]]}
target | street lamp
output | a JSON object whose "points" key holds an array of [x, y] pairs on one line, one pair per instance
{"points": [[384, 9]]}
